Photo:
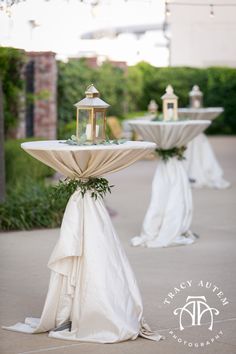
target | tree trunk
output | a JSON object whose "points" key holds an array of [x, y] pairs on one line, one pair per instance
{"points": [[2, 157]]}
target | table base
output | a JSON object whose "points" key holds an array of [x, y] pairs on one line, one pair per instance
{"points": [[202, 166], [92, 286], [169, 215]]}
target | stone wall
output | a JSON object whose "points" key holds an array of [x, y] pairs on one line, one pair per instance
{"points": [[45, 89], [39, 118]]}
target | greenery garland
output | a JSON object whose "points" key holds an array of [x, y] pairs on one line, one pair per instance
{"points": [[82, 141], [177, 152], [98, 187]]}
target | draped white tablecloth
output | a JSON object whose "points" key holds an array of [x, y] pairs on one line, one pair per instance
{"points": [[169, 215], [208, 113], [201, 164], [92, 285]]}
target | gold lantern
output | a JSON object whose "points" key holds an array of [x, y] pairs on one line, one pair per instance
{"points": [[170, 104], [195, 97], [152, 108], [91, 117]]}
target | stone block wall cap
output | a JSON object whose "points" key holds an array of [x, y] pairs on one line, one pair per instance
{"points": [[41, 53]]}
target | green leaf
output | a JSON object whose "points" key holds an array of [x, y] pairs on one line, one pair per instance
{"points": [[97, 187], [165, 155]]}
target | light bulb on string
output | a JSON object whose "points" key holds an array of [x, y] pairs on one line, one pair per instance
{"points": [[212, 14], [95, 7], [8, 12], [168, 13]]}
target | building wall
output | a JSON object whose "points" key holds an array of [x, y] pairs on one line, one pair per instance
{"points": [[45, 85], [44, 97], [202, 41]]}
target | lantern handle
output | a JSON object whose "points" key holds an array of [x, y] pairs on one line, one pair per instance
{"points": [[91, 91], [89, 87]]}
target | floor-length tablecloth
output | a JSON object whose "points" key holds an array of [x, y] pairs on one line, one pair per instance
{"points": [[168, 218], [92, 288], [202, 166]]}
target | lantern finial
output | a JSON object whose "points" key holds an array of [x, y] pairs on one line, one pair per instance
{"points": [[195, 91], [91, 91], [169, 90], [195, 96], [169, 93]]}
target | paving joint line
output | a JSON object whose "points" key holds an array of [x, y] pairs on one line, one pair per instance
{"points": [[52, 348], [203, 324], [160, 330]]}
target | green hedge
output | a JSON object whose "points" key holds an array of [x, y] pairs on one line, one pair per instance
{"points": [[217, 83], [75, 76], [132, 90], [221, 91], [28, 203], [11, 66], [30, 206], [19, 164], [125, 90]]}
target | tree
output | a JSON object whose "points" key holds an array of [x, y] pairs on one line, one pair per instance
{"points": [[2, 159]]}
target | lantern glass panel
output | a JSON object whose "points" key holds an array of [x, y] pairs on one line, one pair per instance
{"points": [[196, 102], [100, 124], [84, 123], [170, 110]]}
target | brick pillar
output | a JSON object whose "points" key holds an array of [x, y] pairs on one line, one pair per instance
{"points": [[45, 89]]}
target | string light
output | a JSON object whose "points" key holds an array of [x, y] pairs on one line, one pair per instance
{"points": [[212, 11], [168, 13], [211, 5], [5, 5], [201, 4], [6, 8]]}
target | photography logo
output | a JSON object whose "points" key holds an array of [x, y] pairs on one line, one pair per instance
{"points": [[196, 311], [195, 308]]}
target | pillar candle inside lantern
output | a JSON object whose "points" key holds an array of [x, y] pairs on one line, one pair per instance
{"points": [[170, 111], [89, 131], [196, 104]]}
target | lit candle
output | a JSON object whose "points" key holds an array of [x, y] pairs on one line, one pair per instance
{"points": [[89, 131], [196, 103], [170, 113]]}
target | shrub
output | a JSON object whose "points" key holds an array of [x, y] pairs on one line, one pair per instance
{"points": [[111, 82], [66, 130], [28, 203], [221, 88], [11, 66], [29, 206], [19, 164], [73, 78]]}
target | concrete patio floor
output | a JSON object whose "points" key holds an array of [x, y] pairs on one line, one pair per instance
{"points": [[24, 275]]}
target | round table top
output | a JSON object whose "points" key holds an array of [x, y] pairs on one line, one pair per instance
{"points": [[208, 113], [60, 145], [88, 160], [169, 134]]}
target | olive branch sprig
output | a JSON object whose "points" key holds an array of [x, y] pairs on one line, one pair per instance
{"points": [[82, 141], [177, 152], [98, 187]]}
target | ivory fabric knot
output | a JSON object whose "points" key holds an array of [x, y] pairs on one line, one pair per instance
{"points": [[76, 195], [83, 179], [146, 332]]}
